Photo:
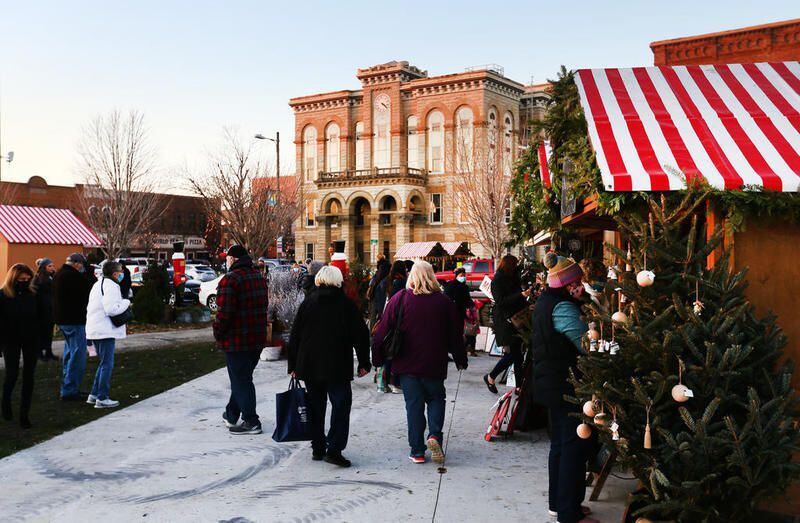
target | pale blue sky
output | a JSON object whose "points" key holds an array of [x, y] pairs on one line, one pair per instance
{"points": [[195, 66]]}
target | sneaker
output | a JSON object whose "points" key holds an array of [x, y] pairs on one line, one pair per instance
{"points": [[419, 460], [91, 399], [586, 511], [437, 456], [337, 459], [107, 403], [394, 389], [317, 455], [227, 421], [245, 428]]}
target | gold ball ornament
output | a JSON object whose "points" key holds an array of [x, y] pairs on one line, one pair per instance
{"points": [[619, 317], [584, 431], [593, 334], [588, 409], [645, 278], [681, 393]]}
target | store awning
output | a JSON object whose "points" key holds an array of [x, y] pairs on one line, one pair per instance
{"points": [[733, 125], [438, 250], [457, 248], [414, 250], [44, 225]]}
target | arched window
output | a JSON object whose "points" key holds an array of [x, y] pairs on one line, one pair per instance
{"points": [[436, 142], [360, 159], [464, 120], [508, 144], [492, 128], [310, 152], [381, 121], [332, 147], [414, 160]]}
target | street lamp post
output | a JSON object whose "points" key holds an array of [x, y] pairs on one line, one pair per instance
{"points": [[277, 141]]}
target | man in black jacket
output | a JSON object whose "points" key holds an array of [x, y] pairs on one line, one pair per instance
{"points": [[71, 288], [458, 291]]}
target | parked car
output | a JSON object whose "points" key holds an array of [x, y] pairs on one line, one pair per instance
{"points": [[275, 262], [191, 289], [208, 293], [201, 273], [476, 270], [135, 265]]}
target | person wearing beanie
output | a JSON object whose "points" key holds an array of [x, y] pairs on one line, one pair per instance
{"points": [[555, 344], [509, 299], [43, 285], [240, 330]]}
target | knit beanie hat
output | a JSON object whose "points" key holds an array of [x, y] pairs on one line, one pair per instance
{"points": [[561, 271], [44, 262], [237, 251]]}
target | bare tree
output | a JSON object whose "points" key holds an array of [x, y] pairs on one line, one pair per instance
{"points": [[483, 163], [240, 191], [120, 196]]}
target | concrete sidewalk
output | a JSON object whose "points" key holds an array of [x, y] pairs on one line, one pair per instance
{"points": [[150, 340], [169, 458]]}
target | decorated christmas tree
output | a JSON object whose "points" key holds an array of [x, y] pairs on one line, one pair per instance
{"points": [[682, 378]]}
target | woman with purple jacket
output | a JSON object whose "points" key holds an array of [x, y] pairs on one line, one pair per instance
{"points": [[431, 329]]}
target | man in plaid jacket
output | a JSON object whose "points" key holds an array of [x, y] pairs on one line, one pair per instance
{"points": [[241, 332]]}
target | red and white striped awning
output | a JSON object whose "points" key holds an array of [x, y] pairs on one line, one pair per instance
{"points": [[414, 250], [734, 125], [44, 225]]}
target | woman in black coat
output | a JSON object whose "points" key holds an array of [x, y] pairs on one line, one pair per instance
{"points": [[43, 284], [327, 328], [509, 298], [19, 324]]}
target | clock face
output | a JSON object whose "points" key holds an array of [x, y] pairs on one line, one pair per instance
{"points": [[382, 103]]}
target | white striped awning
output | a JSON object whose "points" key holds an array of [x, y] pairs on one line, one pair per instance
{"points": [[44, 225], [415, 250], [733, 125]]}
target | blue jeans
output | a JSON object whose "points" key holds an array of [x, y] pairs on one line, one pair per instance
{"points": [[74, 359], [419, 393], [242, 402], [566, 464], [102, 378], [341, 396]]}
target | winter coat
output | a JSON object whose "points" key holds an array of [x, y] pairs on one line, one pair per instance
{"points": [[19, 319], [508, 300], [44, 294], [459, 293], [431, 329], [105, 300], [241, 323], [71, 295], [325, 331]]}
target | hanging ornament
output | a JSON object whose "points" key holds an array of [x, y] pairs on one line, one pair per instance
{"points": [[614, 425], [645, 278], [593, 334], [628, 266], [619, 317], [584, 431], [698, 305], [601, 344], [681, 392], [648, 442], [588, 408], [613, 347], [612, 273], [601, 418]]}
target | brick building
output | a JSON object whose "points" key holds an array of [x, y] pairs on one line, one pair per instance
{"points": [[184, 219], [773, 42], [377, 164]]}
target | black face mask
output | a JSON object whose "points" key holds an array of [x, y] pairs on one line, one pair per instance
{"points": [[21, 286]]}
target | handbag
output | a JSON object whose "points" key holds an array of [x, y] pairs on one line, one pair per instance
{"points": [[122, 318], [521, 319], [393, 341], [292, 417]]}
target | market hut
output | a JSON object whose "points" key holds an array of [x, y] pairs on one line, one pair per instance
{"points": [[439, 254], [29, 233], [734, 126]]}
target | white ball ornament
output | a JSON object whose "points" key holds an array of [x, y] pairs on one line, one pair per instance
{"points": [[619, 317], [593, 334], [681, 393], [584, 431], [645, 278], [588, 409]]}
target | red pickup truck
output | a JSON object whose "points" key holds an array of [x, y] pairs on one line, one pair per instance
{"points": [[476, 270]]}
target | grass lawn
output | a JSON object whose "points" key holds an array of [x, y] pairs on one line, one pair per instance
{"points": [[137, 375]]}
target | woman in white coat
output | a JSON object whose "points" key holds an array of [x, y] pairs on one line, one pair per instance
{"points": [[105, 301]]}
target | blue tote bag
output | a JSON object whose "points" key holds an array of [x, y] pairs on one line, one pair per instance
{"points": [[292, 421]]}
